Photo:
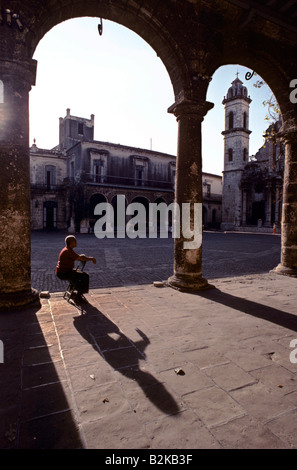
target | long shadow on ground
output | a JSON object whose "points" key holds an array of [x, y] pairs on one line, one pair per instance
{"points": [[123, 354]]}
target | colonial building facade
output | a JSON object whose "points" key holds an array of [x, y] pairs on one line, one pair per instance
{"points": [[68, 181], [252, 186]]}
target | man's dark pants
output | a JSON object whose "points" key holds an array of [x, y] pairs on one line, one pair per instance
{"points": [[79, 279]]}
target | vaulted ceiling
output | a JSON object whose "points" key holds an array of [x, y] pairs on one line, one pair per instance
{"points": [[282, 13]]}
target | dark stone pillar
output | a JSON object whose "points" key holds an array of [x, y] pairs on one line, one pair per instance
{"points": [[15, 262], [188, 189], [288, 264]]}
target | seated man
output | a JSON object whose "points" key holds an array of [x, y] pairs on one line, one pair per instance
{"points": [[65, 267]]}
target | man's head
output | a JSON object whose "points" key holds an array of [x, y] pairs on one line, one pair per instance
{"points": [[70, 241]]}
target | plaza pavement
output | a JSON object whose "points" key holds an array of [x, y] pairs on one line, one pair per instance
{"points": [[144, 367]]}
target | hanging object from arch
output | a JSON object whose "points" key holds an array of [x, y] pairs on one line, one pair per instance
{"points": [[100, 27]]}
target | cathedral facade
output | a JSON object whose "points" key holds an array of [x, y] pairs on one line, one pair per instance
{"points": [[252, 185]]}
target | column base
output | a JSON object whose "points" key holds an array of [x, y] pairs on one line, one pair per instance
{"points": [[188, 283], [285, 271], [19, 300]]}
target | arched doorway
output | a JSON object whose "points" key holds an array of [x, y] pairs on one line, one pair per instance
{"points": [[94, 200], [265, 209], [50, 215], [119, 204], [138, 217]]}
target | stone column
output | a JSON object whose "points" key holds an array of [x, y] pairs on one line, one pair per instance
{"points": [[15, 262], [188, 189], [288, 264]]}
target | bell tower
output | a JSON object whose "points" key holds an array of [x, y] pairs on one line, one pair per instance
{"points": [[236, 152]]}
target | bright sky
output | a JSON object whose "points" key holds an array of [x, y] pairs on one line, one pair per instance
{"points": [[119, 78]]}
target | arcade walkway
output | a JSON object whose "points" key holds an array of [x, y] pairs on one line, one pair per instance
{"points": [[144, 367]]}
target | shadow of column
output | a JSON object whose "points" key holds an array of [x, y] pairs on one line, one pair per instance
{"points": [[35, 412], [255, 309]]}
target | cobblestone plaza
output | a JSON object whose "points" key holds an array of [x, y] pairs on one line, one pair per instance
{"points": [[122, 262]]}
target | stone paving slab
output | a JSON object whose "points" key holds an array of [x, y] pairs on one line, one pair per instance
{"points": [[141, 367]]}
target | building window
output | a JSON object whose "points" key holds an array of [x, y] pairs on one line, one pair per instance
{"points": [[81, 128], [140, 170], [50, 176], [230, 155], [244, 157], [139, 175], [99, 166], [98, 171], [208, 190], [172, 172], [72, 170], [231, 120], [245, 120]]}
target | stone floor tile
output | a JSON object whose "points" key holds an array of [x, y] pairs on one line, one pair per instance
{"points": [[285, 427], [229, 376], [101, 401], [45, 432], [185, 379], [44, 373], [261, 402], [90, 375], [153, 401], [277, 377], [81, 355], [183, 430], [247, 433], [45, 400], [213, 406], [122, 431], [206, 357]]}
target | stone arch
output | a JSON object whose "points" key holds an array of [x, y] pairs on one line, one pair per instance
{"points": [[271, 71], [119, 203], [141, 21], [95, 199], [142, 214], [141, 200], [277, 71], [159, 222], [158, 200]]}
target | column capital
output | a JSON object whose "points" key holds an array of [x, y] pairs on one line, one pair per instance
{"points": [[288, 135], [22, 71], [190, 107]]}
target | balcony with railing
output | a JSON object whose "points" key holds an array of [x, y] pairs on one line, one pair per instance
{"points": [[128, 182], [211, 197], [47, 187], [120, 182]]}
